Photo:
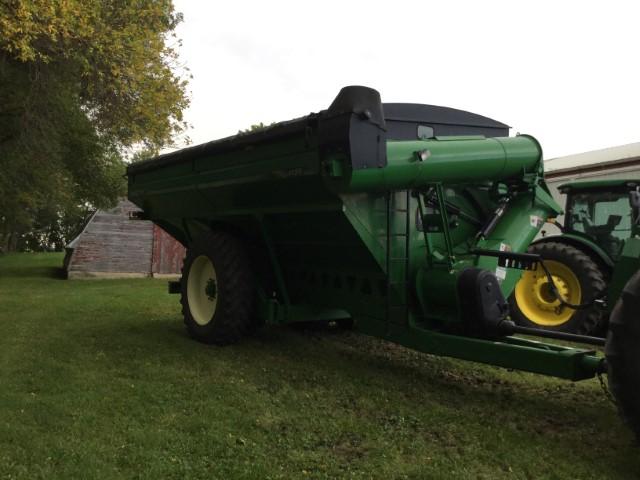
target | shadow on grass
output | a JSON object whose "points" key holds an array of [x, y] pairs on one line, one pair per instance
{"points": [[35, 272], [278, 360], [330, 352]]}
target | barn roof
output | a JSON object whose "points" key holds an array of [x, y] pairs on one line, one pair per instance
{"points": [[619, 156]]}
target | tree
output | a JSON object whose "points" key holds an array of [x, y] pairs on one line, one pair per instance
{"points": [[255, 128], [81, 83]]}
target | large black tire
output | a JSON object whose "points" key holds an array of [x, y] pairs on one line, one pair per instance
{"points": [[623, 354], [231, 288], [592, 283]]}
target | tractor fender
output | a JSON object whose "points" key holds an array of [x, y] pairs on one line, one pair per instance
{"points": [[584, 244]]}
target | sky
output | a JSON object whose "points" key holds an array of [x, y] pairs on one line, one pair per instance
{"points": [[565, 72]]}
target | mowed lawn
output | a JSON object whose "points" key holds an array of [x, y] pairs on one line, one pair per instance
{"points": [[98, 379]]}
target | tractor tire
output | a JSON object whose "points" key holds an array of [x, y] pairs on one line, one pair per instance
{"points": [[579, 279], [623, 355], [217, 289]]}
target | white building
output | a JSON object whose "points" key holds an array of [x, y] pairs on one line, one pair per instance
{"points": [[621, 162]]}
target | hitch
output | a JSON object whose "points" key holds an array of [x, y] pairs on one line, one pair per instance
{"points": [[174, 286]]}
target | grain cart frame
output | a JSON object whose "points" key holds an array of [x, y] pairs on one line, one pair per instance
{"points": [[412, 221]]}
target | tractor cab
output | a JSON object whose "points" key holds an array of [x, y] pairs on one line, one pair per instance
{"points": [[607, 212]]}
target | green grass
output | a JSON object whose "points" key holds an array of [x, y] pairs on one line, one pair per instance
{"points": [[99, 380]]}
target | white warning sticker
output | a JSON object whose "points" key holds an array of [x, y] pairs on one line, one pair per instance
{"points": [[536, 221], [505, 247], [501, 272]]}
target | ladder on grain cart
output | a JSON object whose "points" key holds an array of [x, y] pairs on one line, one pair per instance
{"points": [[398, 228]]}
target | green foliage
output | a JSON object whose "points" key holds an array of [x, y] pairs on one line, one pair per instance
{"points": [[142, 155], [54, 163], [52, 229], [112, 54], [81, 81], [255, 128]]}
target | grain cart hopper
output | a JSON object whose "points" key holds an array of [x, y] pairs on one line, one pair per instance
{"points": [[411, 221], [590, 261]]}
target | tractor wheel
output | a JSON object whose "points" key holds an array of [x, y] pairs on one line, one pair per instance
{"points": [[578, 279], [217, 288], [623, 355]]}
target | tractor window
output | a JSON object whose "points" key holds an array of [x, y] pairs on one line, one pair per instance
{"points": [[603, 216]]}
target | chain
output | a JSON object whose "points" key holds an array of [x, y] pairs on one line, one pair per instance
{"points": [[605, 389]]}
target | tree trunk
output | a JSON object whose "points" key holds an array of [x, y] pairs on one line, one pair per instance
{"points": [[13, 242], [5, 242]]}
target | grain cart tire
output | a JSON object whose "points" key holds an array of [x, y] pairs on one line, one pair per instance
{"points": [[623, 355], [217, 289], [578, 279]]}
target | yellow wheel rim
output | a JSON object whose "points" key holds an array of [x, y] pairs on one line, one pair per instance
{"points": [[202, 290], [536, 300]]}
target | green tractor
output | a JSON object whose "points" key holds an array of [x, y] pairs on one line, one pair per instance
{"points": [[587, 265]]}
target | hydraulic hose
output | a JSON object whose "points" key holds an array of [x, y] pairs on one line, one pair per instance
{"points": [[554, 290]]}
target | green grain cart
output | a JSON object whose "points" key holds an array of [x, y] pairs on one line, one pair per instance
{"points": [[410, 222]]}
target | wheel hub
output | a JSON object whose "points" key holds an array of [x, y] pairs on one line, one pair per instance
{"points": [[211, 290], [536, 299], [543, 295]]}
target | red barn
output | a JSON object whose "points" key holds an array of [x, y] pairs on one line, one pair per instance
{"points": [[112, 245]]}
